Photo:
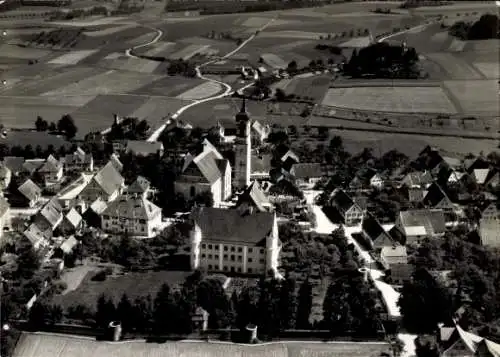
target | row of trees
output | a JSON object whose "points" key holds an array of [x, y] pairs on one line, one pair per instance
{"points": [[65, 125], [487, 27]]}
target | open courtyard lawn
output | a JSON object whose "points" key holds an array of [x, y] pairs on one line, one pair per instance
{"points": [[74, 276], [53, 345], [112, 81], [476, 96], [21, 112], [155, 109], [204, 90], [310, 87], [97, 115], [456, 67], [133, 284], [13, 51], [72, 57], [169, 86], [391, 99]]}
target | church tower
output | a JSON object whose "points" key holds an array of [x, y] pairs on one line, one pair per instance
{"points": [[242, 149]]}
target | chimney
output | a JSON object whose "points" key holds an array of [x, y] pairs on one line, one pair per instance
{"points": [[365, 272], [115, 331]]}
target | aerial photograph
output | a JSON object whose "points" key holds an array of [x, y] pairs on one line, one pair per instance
{"points": [[249, 178]]}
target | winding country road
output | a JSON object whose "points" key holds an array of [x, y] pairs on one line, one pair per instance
{"points": [[228, 89]]}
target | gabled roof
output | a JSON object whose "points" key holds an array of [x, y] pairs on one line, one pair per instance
{"points": [[452, 162], [208, 146], [79, 156], [98, 206], [394, 251], [231, 225], [418, 178], [30, 190], [480, 175], [68, 245], [423, 222], [374, 230], [341, 200], [132, 208], [73, 217], [416, 194], [306, 170], [254, 194], [143, 147], [261, 164], [139, 186], [490, 347], [52, 212], [30, 166], [476, 163], [434, 195], [204, 165], [260, 129], [51, 165], [35, 235], [290, 155], [108, 178]]}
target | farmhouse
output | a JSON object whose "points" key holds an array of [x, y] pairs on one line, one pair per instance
{"points": [[69, 196], [234, 240], [435, 197], [351, 210], [141, 187], [49, 217], [144, 148], [261, 166], [135, 216], [375, 234], [489, 226], [51, 171], [460, 343], [71, 222], [306, 173], [413, 226], [30, 193], [92, 215], [206, 172], [254, 197], [37, 238], [418, 179], [78, 162], [107, 184], [395, 258]]}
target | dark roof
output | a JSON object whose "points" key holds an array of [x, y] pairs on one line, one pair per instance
{"points": [[434, 195], [51, 165], [108, 178], [30, 166], [132, 208], [432, 220], [254, 195], [341, 201], [372, 227], [140, 185], [231, 225], [306, 170]]}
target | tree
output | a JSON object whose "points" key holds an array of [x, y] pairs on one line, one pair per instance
{"points": [[292, 66], [54, 314], [304, 306], [105, 312], [67, 126], [164, 305], [124, 313], [288, 303], [280, 95], [52, 127], [142, 313], [40, 124], [37, 314], [247, 307], [28, 263], [426, 346], [212, 297]]}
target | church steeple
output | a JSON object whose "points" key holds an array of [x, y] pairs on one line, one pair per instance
{"points": [[243, 121], [242, 148]]}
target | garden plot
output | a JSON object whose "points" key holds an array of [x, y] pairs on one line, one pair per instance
{"points": [[358, 42], [205, 90], [273, 60], [108, 31], [490, 70], [13, 51], [391, 99], [72, 58], [160, 49], [189, 51], [439, 37], [454, 66], [107, 83], [476, 96]]}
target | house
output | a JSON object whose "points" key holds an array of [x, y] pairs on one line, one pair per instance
{"points": [[351, 211], [78, 162], [29, 167], [260, 132], [475, 164], [51, 171], [71, 223], [68, 245], [261, 166], [412, 226], [175, 123], [435, 197], [489, 225], [456, 342], [395, 258], [115, 161], [135, 216], [229, 240], [92, 215], [5, 218], [30, 193], [107, 184], [254, 197], [362, 178], [289, 159], [375, 234], [49, 217], [141, 187], [306, 173], [37, 237], [377, 181], [417, 179], [5, 177], [206, 172], [144, 148], [69, 196], [227, 130]]}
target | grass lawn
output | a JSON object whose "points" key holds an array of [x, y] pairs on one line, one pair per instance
{"points": [[133, 284]]}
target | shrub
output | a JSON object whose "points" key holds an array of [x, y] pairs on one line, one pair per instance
{"points": [[101, 275]]}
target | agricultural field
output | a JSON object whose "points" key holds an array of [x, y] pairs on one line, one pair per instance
{"points": [[207, 89], [72, 58], [391, 99], [169, 86], [475, 96]]}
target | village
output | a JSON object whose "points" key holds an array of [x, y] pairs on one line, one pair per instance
{"points": [[245, 200]]}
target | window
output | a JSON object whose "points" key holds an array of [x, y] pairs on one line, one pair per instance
{"points": [[210, 246], [249, 270], [216, 256], [225, 256], [210, 256], [232, 249], [225, 269], [261, 261], [210, 266], [249, 260], [239, 270], [261, 250], [225, 248], [203, 255], [232, 269], [240, 249], [250, 250], [239, 258], [232, 257], [203, 245], [192, 191]]}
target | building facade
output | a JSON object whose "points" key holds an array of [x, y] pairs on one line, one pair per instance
{"points": [[489, 226]]}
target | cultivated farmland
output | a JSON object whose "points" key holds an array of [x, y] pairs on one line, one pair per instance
{"points": [[72, 58], [480, 96], [207, 89], [391, 99]]}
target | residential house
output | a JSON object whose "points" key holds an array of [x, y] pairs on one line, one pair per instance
{"points": [[51, 171], [435, 197], [260, 166], [352, 211], [93, 214], [115, 161], [5, 177], [71, 223], [49, 217], [229, 240], [31, 166], [5, 218], [412, 226], [486, 177], [377, 181], [456, 342], [38, 238], [475, 164], [255, 198], [107, 184], [395, 258], [68, 245], [306, 173], [206, 172], [177, 124], [489, 225], [135, 216], [375, 234], [421, 179], [362, 179], [144, 147], [288, 160], [30, 193], [78, 162], [69, 196], [227, 130], [141, 187], [260, 132]]}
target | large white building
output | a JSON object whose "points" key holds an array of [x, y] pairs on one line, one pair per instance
{"points": [[235, 240], [489, 226], [132, 215], [206, 172]]}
